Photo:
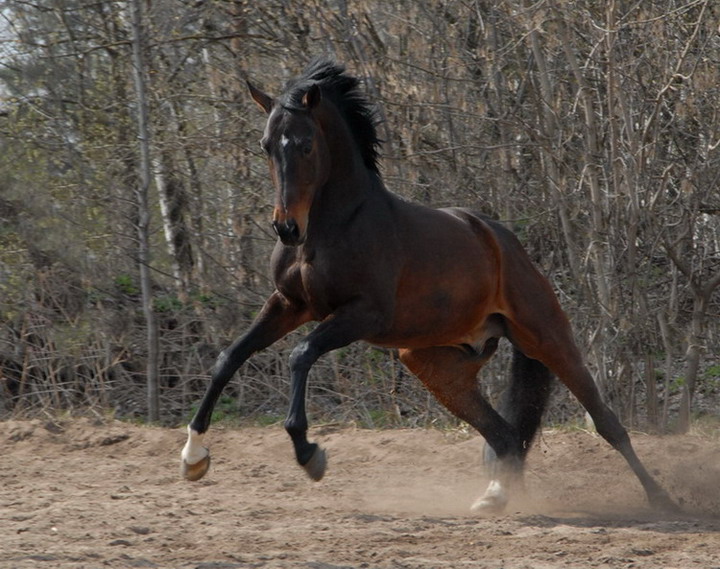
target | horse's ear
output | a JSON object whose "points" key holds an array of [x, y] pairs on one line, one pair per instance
{"points": [[264, 101], [312, 97]]}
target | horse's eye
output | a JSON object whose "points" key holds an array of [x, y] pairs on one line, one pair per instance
{"points": [[306, 148]]}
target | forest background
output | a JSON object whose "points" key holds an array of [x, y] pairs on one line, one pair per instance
{"points": [[135, 204]]}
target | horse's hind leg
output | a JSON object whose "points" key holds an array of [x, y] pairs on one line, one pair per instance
{"points": [[580, 383], [559, 352], [522, 405], [450, 374]]}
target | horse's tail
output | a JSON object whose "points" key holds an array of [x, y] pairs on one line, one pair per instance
{"points": [[525, 399], [523, 402]]}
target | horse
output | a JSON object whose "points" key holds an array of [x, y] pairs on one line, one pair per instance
{"points": [[442, 286]]}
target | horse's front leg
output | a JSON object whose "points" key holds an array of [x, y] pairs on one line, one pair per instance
{"points": [[277, 318], [347, 325], [309, 455]]}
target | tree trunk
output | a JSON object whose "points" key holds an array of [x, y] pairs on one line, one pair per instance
{"points": [[598, 253], [551, 153], [143, 226], [702, 292], [171, 194], [694, 350]]}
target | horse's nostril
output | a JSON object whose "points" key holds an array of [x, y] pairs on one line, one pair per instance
{"points": [[288, 232], [293, 229]]}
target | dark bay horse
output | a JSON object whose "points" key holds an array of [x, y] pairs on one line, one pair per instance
{"points": [[442, 286]]}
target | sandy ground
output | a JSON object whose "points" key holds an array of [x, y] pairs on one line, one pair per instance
{"points": [[84, 495]]}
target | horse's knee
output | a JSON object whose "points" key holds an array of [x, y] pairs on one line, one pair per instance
{"points": [[226, 364], [221, 362], [302, 357]]}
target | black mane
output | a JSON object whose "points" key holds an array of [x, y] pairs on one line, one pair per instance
{"points": [[344, 91]]}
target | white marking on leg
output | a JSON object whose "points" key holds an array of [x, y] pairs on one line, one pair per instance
{"points": [[494, 499], [193, 451]]}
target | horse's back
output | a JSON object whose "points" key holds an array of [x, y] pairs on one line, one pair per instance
{"points": [[448, 277]]}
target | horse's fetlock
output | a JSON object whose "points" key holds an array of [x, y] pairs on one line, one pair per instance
{"points": [[296, 429]]}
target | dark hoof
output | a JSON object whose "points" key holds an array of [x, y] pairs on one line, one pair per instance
{"points": [[315, 467], [661, 502], [195, 471]]}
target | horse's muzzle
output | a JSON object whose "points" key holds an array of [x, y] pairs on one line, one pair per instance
{"points": [[289, 232]]}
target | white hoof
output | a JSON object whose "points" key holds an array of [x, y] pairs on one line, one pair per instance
{"points": [[195, 457], [493, 501]]}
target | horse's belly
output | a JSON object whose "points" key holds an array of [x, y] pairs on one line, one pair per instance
{"points": [[440, 318]]}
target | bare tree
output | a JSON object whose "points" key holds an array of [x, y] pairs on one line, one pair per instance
{"points": [[142, 192], [591, 129]]}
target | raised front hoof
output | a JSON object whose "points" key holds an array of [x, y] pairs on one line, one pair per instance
{"points": [[491, 503], [195, 471], [315, 467]]}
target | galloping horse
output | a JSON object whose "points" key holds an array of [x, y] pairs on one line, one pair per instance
{"points": [[441, 285]]}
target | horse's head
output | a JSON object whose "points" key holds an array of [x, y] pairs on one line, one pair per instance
{"points": [[298, 157]]}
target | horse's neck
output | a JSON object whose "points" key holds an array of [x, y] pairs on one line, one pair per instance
{"points": [[342, 194], [350, 182]]}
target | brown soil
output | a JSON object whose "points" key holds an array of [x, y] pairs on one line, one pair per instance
{"points": [[84, 495]]}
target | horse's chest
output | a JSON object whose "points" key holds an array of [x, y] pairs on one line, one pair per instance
{"points": [[324, 278], [329, 281], [323, 291]]}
